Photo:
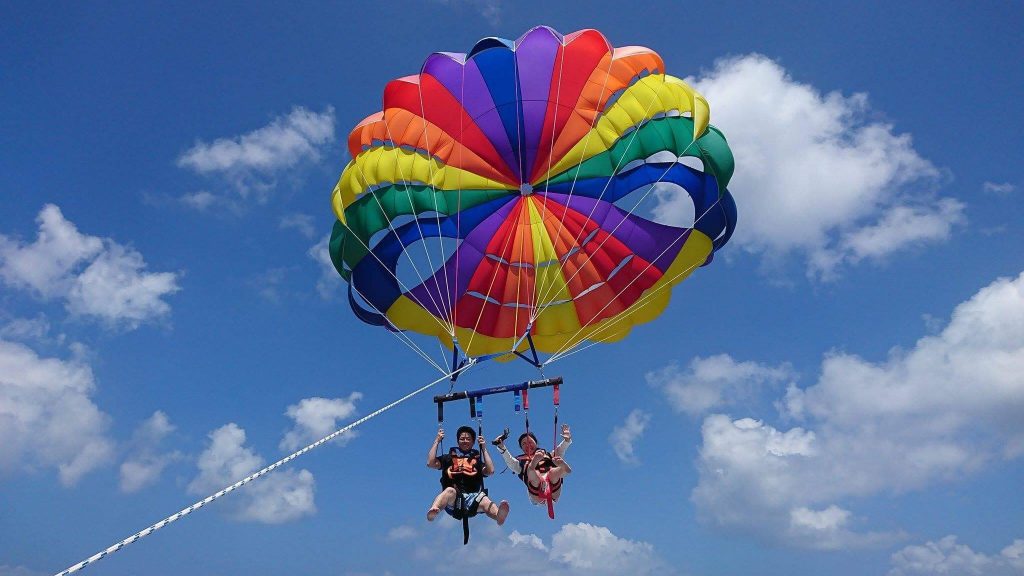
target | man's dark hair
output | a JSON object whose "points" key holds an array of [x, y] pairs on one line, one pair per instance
{"points": [[524, 435], [465, 429]]}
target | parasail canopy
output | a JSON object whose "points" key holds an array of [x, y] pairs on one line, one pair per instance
{"points": [[506, 173]]}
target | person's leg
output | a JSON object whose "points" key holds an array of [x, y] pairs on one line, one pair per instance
{"points": [[559, 470], [497, 512], [443, 500]]}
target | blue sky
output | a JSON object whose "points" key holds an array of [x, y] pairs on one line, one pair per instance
{"points": [[840, 392]]}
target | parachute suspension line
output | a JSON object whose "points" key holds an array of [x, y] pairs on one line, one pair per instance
{"points": [[393, 231], [629, 144], [458, 209], [554, 123], [186, 511], [610, 234], [561, 221], [561, 353], [401, 335], [437, 214], [412, 206], [645, 297], [487, 296], [525, 227], [519, 266]]}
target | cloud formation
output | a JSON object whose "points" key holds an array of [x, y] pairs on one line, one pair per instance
{"points": [[47, 416], [575, 550], [281, 496], [624, 438], [96, 277], [329, 284], [714, 382], [145, 462], [249, 163], [938, 412], [303, 223], [816, 177], [948, 557], [316, 418], [999, 189]]}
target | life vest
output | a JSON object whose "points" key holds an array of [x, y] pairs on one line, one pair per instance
{"points": [[463, 466], [546, 490]]}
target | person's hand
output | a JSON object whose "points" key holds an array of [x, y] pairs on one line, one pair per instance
{"points": [[482, 442], [566, 435], [440, 435]]}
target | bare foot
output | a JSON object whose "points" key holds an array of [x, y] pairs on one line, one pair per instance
{"points": [[432, 513], [502, 512]]}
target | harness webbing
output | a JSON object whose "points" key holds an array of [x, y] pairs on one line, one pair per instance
{"points": [[186, 511]]}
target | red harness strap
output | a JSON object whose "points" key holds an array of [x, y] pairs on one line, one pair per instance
{"points": [[545, 490]]}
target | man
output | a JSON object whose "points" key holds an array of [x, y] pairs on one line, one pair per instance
{"points": [[540, 471], [462, 473]]}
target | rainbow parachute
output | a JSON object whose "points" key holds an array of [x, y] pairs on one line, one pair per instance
{"points": [[516, 155]]}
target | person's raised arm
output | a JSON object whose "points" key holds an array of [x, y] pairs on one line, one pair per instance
{"points": [[432, 461], [488, 463], [566, 441]]}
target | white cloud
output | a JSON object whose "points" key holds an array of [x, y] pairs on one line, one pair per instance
{"points": [[268, 284], [903, 226], [46, 266], [97, 277], [624, 438], [250, 162], [6, 570], [316, 418], [999, 189], [815, 176], [937, 412], [404, 532], [26, 329], [280, 496], [593, 549], [330, 281], [714, 382], [145, 462], [575, 550], [948, 557], [528, 540], [47, 417], [204, 201], [301, 222], [115, 288]]}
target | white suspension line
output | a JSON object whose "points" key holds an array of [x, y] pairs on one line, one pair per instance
{"points": [[393, 231], [576, 348], [458, 208], [437, 214], [561, 221], [629, 144], [560, 352], [490, 286], [402, 336], [610, 234], [412, 206], [186, 511]]}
